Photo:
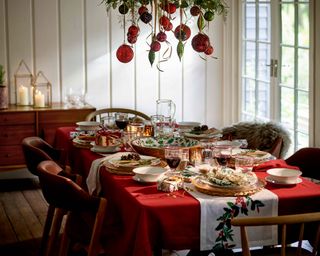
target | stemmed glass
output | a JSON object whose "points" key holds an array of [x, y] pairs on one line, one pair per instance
{"points": [[173, 157], [222, 154], [122, 121]]}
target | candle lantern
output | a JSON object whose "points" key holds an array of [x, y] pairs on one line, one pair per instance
{"points": [[23, 80], [42, 94]]}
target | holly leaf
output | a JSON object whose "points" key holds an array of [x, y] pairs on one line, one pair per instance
{"points": [[180, 49], [151, 56]]}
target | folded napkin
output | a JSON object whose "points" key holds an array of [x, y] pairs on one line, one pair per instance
{"points": [[93, 179], [278, 163]]}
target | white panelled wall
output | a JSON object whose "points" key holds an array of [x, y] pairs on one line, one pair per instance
{"points": [[74, 43]]}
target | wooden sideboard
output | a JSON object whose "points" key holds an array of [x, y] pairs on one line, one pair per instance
{"points": [[18, 122]]}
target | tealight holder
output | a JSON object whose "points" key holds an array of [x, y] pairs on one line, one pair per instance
{"points": [[42, 91], [23, 80]]}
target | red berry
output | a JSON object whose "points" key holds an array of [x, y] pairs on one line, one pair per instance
{"points": [[164, 21], [195, 10], [133, 30], [155, 46], [161, 36], [142, 9], [169, 27], [170, 8], [209, 50], [132, 39], [124, 53]]}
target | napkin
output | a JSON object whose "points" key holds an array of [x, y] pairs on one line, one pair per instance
{"points": [[278, 163]]}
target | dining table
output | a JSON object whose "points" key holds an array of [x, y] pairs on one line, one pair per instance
{"points": [[141, 220]]}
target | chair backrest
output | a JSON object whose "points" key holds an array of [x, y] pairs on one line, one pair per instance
{"points": [[37, 150], [266, 136], [307, 159], [98, 114], [282, 221], [62, 192]]}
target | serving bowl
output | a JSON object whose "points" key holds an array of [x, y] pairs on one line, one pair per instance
{"points": [[148, 173], [156, 146], [284, 175]]}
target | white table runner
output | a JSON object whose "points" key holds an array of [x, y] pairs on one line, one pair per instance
{"points": [[213, 207]]}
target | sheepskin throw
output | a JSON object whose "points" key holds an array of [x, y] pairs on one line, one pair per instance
{"points": [[259, 135]]}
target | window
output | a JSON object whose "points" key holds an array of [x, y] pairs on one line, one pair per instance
{"points": [[275, 65]]}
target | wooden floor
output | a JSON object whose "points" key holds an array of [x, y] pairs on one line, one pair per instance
{"points": [[22, 213]]}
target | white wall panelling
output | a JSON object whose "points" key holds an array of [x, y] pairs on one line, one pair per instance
{"points": [[74, 43]]}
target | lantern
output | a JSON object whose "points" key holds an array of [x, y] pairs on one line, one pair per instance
{"points": [[23, 79], [42, 92]]}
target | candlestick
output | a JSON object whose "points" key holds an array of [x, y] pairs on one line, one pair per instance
{"points": [[23, 95]]}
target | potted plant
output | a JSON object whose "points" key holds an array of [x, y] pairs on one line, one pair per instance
{"points": [[3, 89]]}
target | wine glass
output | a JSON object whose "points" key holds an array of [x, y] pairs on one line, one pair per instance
{"points": [[173, 157], [122, 120], [222, 154]]}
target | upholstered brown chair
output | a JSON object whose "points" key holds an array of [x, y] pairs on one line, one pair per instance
{"points": [[266, 136], [307, 159], [284, 222], [66, 196], [35, 151]]}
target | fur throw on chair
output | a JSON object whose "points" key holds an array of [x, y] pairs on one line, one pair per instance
{"points": [[260, 135]]}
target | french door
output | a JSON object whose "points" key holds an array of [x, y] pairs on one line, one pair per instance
{"points": [[276, 65]]}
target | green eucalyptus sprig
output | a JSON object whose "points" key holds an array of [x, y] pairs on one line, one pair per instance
{"points": [[2, 77]]}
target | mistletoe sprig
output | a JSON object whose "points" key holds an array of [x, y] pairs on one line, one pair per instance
{"points": [[242, 205]]}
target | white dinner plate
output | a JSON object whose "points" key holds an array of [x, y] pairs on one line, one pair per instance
{"points": [[270, 180], [106, 150]]}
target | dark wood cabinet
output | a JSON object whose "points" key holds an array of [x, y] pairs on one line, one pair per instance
{"points": [[18, 122]]}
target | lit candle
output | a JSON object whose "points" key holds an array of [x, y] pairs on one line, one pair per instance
{"points": [[39, 100], [23, 95]]}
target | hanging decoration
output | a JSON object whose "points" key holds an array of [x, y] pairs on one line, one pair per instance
{"points": [[160, 15]]}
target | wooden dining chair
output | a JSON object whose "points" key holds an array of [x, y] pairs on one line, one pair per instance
{"points": [[98, 114], [307, 159], [282, 221], [67, 196]]}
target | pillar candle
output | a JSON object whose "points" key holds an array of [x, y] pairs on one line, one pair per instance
{"points": [[23, 95], [39, 100]]}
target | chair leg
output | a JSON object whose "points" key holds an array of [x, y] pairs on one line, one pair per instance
{"points": [[65, 241], [55, 228], [94, 246], [46, 230]]}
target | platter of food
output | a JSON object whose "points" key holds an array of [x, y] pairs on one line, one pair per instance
{"points": [[227, 182], [126, 162], [203, 132]]}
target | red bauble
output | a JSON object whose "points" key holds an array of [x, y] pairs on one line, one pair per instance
{"points": [[164, 21], [200, 42], [182, 32], [169, 27], [195, 10], [124, 53], [133, 30], [142, 9]]}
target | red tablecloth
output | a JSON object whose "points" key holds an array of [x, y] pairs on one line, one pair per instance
{"points": [[140, 218]]}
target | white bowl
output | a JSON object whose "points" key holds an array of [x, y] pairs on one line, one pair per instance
{"points": [[284, 175], [148, 173]]}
